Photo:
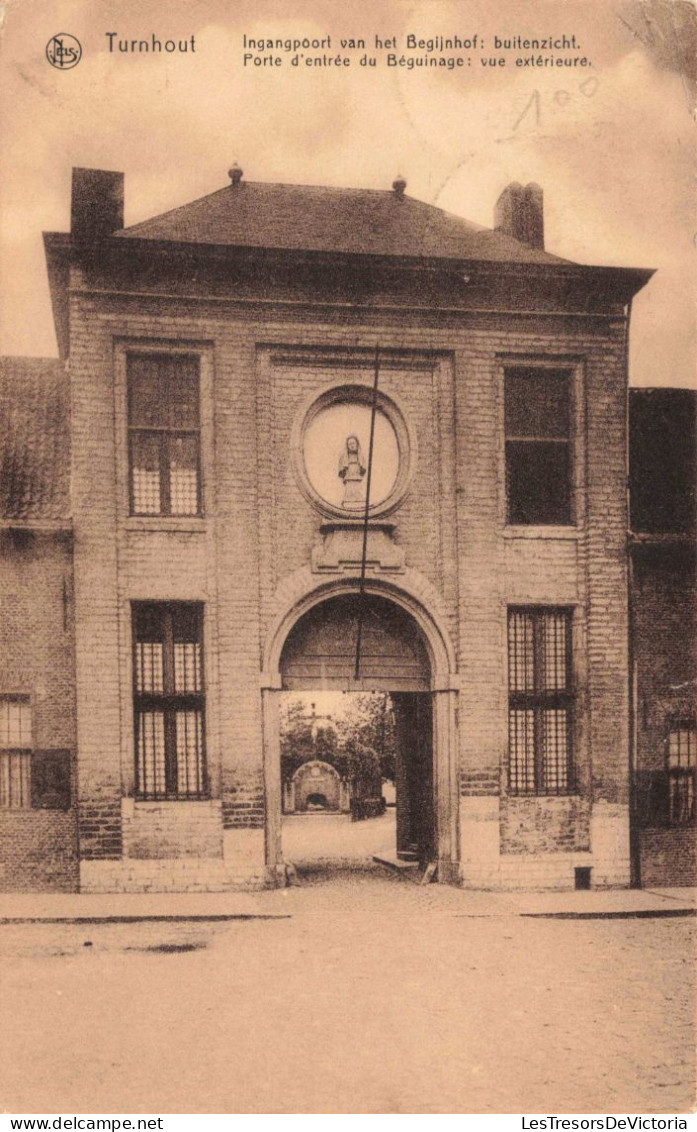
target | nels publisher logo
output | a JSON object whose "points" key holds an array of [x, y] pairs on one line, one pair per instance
{"points": [[63, 51]]}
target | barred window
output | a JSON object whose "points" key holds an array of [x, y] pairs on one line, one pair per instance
{"points": [[537, 410], [540, 701], [15, 722], [169, 700], [15, 752], [682, 744], [29, 779], [164, 434]]}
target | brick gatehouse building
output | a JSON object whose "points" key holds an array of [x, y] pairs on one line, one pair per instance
{"points": [[183, 497]]}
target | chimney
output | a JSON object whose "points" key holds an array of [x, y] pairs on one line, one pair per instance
{"points": [[519, 213], [96, 207]]}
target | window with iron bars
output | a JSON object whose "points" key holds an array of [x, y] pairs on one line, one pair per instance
{"points": [[164, 434], [540, 712], [680, 760], [29, 779], [169, 700], [15, 752]]}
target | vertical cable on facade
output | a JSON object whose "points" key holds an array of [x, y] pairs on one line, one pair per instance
{"points": [[366, 515]]}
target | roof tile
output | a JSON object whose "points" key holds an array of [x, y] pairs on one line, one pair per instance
{"points": [[320, 219], [34, 439]]}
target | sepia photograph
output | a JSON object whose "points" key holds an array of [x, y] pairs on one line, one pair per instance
{"points": [[348, 712]]}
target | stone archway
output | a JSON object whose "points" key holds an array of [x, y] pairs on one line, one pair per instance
{"points": [[312, 781], [310, 647]]}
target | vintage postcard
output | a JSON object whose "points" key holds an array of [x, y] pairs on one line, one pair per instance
{"points": [[347, 561]]}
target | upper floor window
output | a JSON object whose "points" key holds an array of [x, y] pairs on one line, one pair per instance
{"points": [[682, 745], [537, 409], [540, 696], [169, 700], [29, 779], [164, 434]]}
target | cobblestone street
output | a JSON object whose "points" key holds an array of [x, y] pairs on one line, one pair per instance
{"points": [[375, 996]]}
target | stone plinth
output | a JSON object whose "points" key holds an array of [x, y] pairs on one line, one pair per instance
{"points": [[341, 549]]}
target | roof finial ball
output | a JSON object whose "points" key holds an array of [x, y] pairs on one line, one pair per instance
{"points": [[399, 185], [235, 174]]}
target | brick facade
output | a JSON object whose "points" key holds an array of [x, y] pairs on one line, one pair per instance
{"points": [[663, 494], [270, 335], [38, 847], [665, 659], [38, 851], [234, 566]]}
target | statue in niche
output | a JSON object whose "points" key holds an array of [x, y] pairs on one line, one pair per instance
{"points": [[352, 470]]}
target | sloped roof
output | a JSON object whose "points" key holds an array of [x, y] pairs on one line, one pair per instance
{"points": [[662, 460], [34, 439], [320, 219]]}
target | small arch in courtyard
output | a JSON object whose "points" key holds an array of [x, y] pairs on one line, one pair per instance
{"points": [[315, 786]]}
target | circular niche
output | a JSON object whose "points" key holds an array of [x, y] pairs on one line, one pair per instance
{"points": [[332, 443]]}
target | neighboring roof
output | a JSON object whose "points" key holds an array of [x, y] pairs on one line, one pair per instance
{"points": [[319, 219], [662, 464], [34, 439]]}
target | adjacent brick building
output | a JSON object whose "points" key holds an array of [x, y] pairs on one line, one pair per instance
{"points": [[38, 828], [227, 365], [664, 637]]}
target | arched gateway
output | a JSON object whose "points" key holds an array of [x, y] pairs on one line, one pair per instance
{"points": [[312, 647]]}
